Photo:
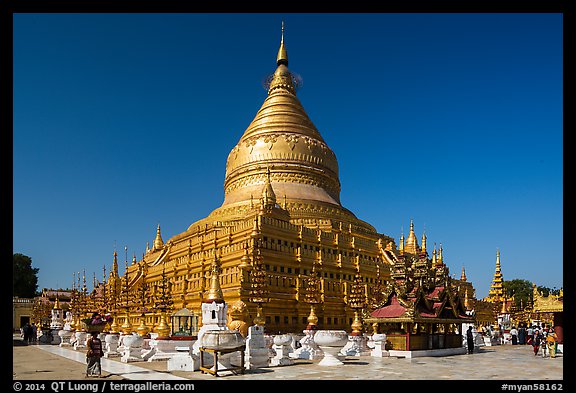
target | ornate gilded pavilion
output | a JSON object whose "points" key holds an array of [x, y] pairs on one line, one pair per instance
{"points": [[550, 309], [280, 229], [421, 307]]}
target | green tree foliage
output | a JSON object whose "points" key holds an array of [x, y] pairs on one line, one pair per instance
{"points": [[521, 290], [24, 276], [545, 291]]}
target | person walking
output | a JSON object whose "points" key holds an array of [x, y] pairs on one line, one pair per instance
{"points": [[544, 343], [536, 341], [514, 334], [28, 333], [93, 354], [551, 341], [522, 335], [529, 334], [470, 340]]}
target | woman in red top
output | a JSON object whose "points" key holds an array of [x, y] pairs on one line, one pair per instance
{"points": [[93, 355]]}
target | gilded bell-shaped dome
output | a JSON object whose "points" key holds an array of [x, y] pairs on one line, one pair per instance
{"points": [[282, 138], [281, 156]]}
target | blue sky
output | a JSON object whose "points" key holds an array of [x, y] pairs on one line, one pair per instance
{"points": [[124, 121]]}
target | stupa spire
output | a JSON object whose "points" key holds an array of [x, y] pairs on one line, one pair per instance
{"points": [[114, 272], [268, 195], [282, 57], [411, 242], [158, 242], [424, 242], [215, 292], [57, 303], [496, 288]]}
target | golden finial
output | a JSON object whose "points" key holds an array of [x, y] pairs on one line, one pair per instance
{"points": [[268, 195], [282, 57], [463, 276], [440, 254], [215, 292], [411, 242], [158, 242], [57, 303], [423, 241], [245, 260]]}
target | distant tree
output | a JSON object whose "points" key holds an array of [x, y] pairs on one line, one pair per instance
{"points": [[24, 277], [520, 289], [545, 291]]}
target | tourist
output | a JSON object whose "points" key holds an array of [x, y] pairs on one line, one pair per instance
{"points": [[536, 338], [470, 340], [522, 335], [529, 334], [93, 354], [514, 334], [551, 341], [28, 333], [34, 333]]}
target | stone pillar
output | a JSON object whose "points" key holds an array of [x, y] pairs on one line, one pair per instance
{"points": [[111, 345], [132, 344], [308, 348], [65, 337], [356, 346], [379, 350], [183, 360], [81, 338], [256, 355], [282, 348]]}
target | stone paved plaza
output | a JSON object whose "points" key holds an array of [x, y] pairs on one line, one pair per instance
{"points": [[503, 362]]}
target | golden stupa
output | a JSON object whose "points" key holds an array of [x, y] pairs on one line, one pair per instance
{"points": [[281, 209]]}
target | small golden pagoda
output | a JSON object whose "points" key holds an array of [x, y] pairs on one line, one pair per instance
{"points": [[496, 292]]}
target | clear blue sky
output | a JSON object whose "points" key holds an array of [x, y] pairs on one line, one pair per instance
{"points": [[124, 121]]}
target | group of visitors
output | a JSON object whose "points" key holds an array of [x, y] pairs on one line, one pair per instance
{"points": [[544, 340], [28, 333]]}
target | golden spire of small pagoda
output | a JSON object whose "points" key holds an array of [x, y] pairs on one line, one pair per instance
{"points": [[215, 292], [496, 291], [504, 309], [440, 255], [424, 242], [401, 244], [411, 242], [114, 270], [463, 275], [268, 195], [245, 260], [158, 242], [468, 303], [57, 303]]}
